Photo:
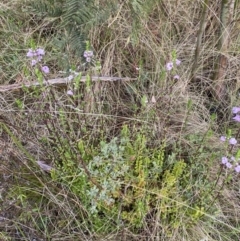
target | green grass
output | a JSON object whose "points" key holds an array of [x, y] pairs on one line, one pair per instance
{"points": [[126, 160]]}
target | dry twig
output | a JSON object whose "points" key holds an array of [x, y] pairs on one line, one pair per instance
{"points": [[59, 82]]}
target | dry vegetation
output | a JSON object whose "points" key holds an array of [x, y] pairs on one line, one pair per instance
{"points": [[135, 157]]}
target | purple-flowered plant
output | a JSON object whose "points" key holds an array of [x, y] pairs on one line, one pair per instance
{"points": [[227, 161], [178, 62], [224, 160], [232, 141], [228, 165], [235, 110], [45, 69], [70, 92], [36, 56], [236, 118], [169, 66], [88, 54], [33, 62], [237, 168], [223, 138], [177, 77], [40, 52]]}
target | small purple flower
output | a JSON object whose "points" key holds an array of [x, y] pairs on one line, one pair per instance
{"points": [[235, 110], [228, 165], [40, 52], [33, 62], [232, 141], [169, 66], [88, 59], [30, 53], [70, 92], [177, 77], [88, 53], [237, 118], [224, 160], [39, 58], [233, 158], [223, 138], [178, 62], [45, 69], [237, 168]]}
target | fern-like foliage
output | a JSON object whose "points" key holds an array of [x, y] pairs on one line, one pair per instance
{"points": [[70, 20], [46, 8]]}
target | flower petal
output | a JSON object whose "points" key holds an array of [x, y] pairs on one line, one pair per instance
{"points": [[45, 69]]}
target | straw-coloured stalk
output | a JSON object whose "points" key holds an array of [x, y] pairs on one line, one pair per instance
{"points": [[226, 17], [61, 82], [199, 37]]}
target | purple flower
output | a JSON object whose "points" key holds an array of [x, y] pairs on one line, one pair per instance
{"points": [[30, 53], [70, 92], [233, 158], [88, 59], [39, 58], [177, 77], [169, 66], [40, 52], [223, 138], [224, 160], [45, 69], [33, 62], [178, 62], [237, 118], [237, 168], [88, 53], [235, 110], [232, 141], [228, 165]]}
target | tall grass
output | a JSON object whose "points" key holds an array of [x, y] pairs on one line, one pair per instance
{"points": [[117, 160]]}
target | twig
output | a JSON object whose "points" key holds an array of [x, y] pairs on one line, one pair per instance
{"points": [[60, 82], [199, 38], [221, 65]]}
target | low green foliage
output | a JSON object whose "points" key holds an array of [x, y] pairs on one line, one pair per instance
{"points": [[126, 180]]}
